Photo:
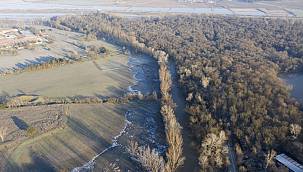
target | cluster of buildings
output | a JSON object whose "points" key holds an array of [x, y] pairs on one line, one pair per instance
{"points": [[15, 38]]}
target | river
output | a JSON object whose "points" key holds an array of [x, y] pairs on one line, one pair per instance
{"points": [[191, 155], [143, 121], [296, 82]]}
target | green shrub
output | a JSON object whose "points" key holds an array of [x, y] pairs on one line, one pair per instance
{"points": [[2, 106], [31, 132]]}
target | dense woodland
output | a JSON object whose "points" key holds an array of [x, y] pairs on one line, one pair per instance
{"points": [[228, 67]]}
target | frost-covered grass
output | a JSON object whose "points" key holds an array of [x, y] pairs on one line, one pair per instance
{"points": [[106, 76], [89, 130]]}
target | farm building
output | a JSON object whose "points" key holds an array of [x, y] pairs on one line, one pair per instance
{"points": [[291, 164], [15, 38]]}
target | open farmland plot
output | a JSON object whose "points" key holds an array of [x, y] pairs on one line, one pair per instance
{"points": [[17, 121], [104, 76], [85, 79], [36, 138], [56, 44], [89, 129], [25, 123]]}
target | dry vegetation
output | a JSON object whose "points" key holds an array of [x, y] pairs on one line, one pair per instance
{"points": [[172, 126], [18, 125], [3, 133], [229, 69], [93, 53], [85, 139], [35, 100], [174, 157], [106, 77], [62, 135], [43, 66], [214, 151], [149, 158]]}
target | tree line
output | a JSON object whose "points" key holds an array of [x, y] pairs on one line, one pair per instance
{"points": [[229, 68]]}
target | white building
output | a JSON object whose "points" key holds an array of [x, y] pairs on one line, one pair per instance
{"points": [[291, 164]]}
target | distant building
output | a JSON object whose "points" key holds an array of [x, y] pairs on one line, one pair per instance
{"points": [[4, 31], [291, 164], [10, 36], [15, 38]]}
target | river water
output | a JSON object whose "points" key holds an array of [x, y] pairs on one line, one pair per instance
{"points": [[143, 121], [296, 82], [191, 155]]}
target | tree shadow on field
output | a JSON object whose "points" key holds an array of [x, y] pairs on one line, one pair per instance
{"points": [[82, 129], [21, 124], [38, 163], [38, 60]]}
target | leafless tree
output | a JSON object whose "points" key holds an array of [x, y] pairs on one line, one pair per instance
{"points": [[214, 150], [3, 133], [148, 157], [295, 130], [270, 157]]}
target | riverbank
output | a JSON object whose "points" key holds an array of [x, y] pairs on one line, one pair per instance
{"points": [[191, 154], [90, 128], [143, 121]]}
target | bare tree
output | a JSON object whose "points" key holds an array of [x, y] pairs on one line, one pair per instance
{"points": [[269, 157], [214, 150], [66, 110], [295, 130], [3, 132], [174, 139], [113, 167], [148, 157]]}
